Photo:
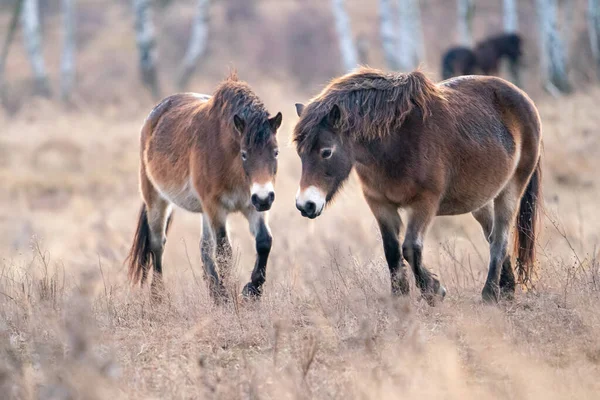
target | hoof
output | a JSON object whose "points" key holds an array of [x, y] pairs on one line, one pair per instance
{"points": [[251, 292], [435, 296], [490, 294], [219, 295]]}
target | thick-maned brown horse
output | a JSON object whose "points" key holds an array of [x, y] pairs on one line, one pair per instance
{"points": [[211, 155], [467, 145]]}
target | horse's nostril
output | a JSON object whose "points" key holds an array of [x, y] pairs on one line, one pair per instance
{"points": [[310, 207], [271, 197], [254, 199]]}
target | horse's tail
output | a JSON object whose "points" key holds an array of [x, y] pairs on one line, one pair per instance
{"points": [[140, 256], [527, 226]]}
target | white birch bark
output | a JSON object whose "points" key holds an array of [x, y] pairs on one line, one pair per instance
{"points": [[197, 44], [510, 17], [344, 33], [146, 43], [593, 19], [552, 48], [411, 49], [465, 11], [67, 63], [32, 36], [388, 33]]}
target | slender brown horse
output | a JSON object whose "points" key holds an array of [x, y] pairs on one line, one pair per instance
{"points": [[211, 155], [467, 145]]}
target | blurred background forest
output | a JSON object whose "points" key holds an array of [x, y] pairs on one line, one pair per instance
{"points": [[85, 51]]}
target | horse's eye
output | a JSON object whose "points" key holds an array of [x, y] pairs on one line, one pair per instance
{"points": [[326, 153], [244, 155], [276, 153]]}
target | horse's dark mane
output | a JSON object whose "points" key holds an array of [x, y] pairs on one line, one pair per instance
{"points": [[235, 97], [372, 104]]}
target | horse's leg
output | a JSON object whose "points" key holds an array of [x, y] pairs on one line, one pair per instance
{"points": [[159, 212], [485, 217], [505, 207], [390, 223], [207, 250], [262, 235], [513, 66], [412, 248]]}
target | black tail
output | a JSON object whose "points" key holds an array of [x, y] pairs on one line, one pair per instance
{"points": [[140, 256], [527, 223]]}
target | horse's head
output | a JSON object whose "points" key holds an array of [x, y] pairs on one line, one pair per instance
{"points": [[326, 163], [258, 151]]}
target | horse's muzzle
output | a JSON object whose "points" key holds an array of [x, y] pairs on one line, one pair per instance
{"points": [[308, 209], [263, 204]]}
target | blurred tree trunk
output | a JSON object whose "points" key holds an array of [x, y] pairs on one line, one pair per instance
{"points": [[510, 16], [197, 45], [388, 32], [67, 63], [552, 49], [344, 32], [32, 35], [466, 11], [410, 50], [594, 31], [8, 40], [146, 43]]}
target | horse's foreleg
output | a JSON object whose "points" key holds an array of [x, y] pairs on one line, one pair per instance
{"points": [[485, 217], [207, 250], [505, 206], [390, 223], [421, 217], [262, 234]]}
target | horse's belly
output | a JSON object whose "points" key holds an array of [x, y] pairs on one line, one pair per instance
{"points": [[182, 194]]}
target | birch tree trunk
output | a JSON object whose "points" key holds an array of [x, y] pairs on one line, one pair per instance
{"points": [[593, 16], [465, 12], [344, 32], [197, 45], [410, 48], [146, 43], [552, 49], [67, 63], [10, 35], [388, 33], [510, 17], [32, 35]]}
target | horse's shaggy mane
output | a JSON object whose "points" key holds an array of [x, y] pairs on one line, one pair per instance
{"points": [[234, 96], [372, 104]]}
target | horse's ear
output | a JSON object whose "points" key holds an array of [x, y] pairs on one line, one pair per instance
{"points": [[299, 109], [239, 124], [333, 118], [275, 122]]}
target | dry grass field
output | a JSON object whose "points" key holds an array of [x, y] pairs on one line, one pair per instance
{"points": [[326, 327]]}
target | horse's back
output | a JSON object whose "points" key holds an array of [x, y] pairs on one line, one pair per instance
{"points": [[496, 131], [167, 139]]}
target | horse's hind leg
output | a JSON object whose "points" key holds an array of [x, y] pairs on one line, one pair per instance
{"points": [[389, 223], [412, 248], [485, 217], [159, 212], [505, 207]]}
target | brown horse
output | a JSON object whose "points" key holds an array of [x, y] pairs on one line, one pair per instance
{"points": [[211, 155], [467, 145], [458, 61]]}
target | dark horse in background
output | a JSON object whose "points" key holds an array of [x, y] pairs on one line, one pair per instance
{"points": [[212, 155], [467, 145], [485, 58]]}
